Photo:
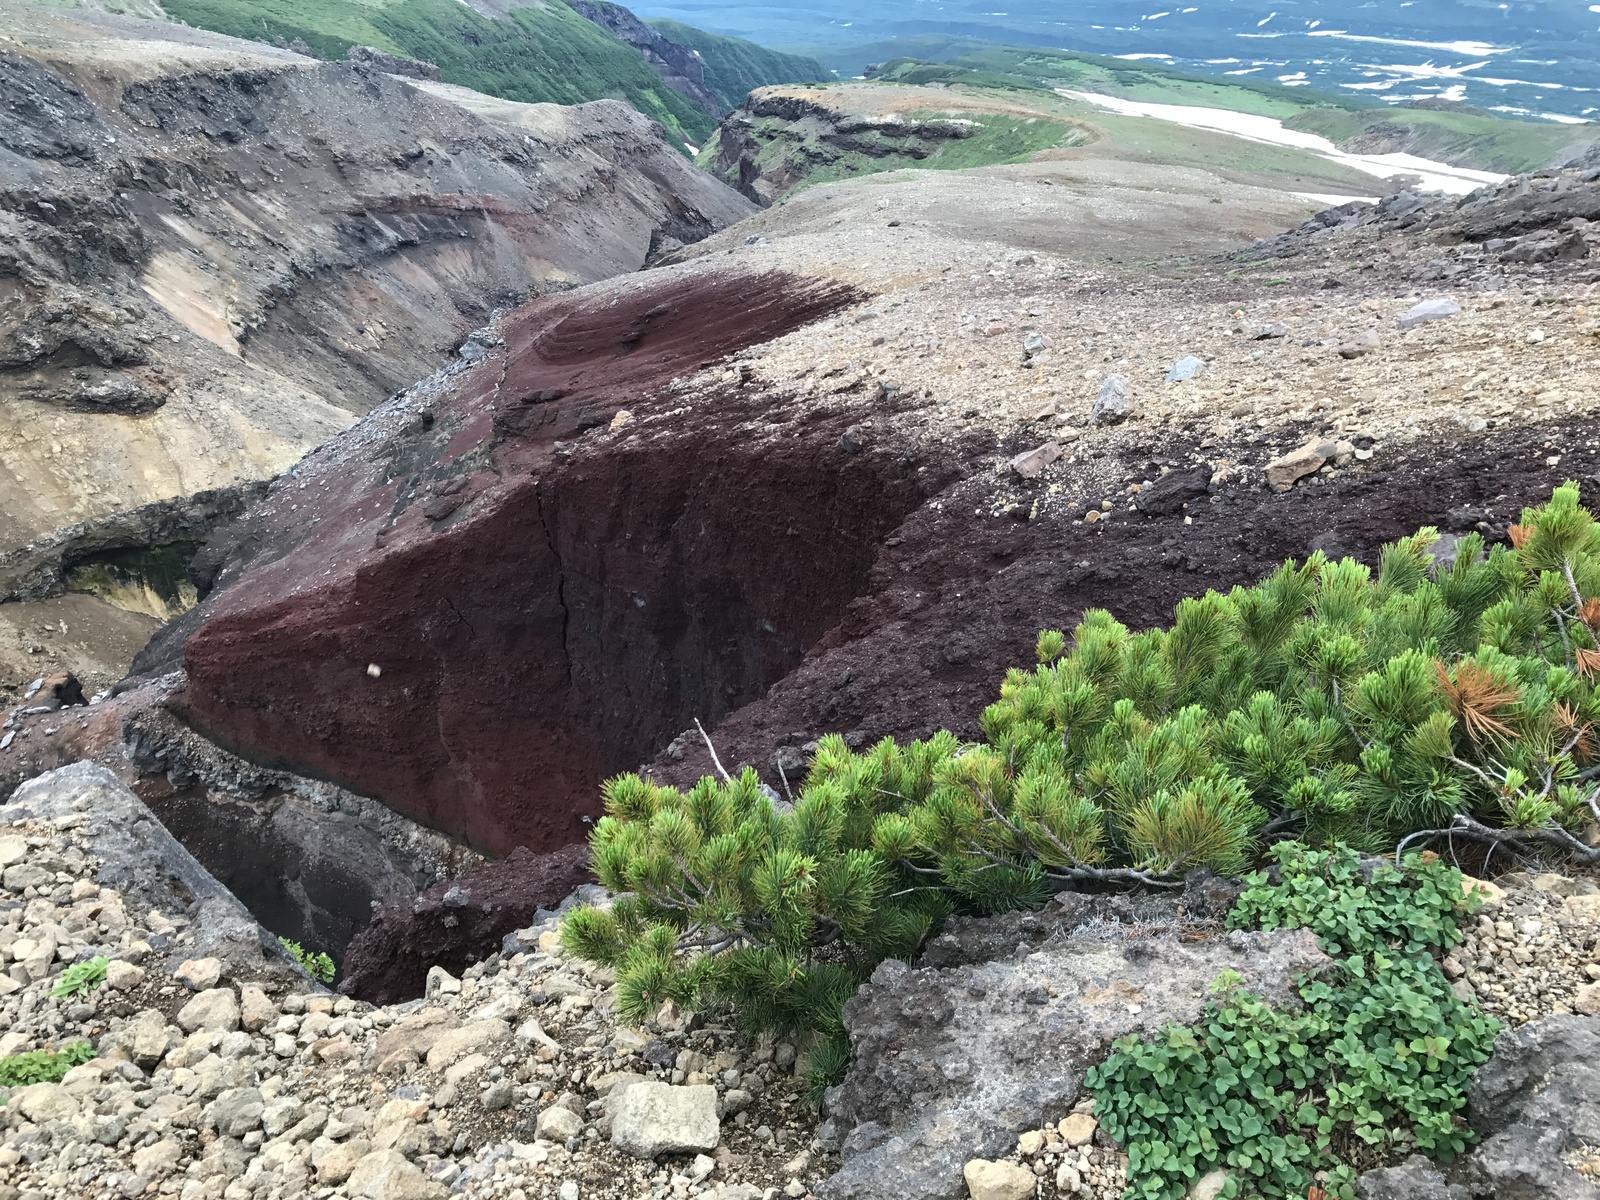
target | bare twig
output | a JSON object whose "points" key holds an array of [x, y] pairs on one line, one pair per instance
{"points": [[1549, 835], [784, 775], [715, 761]]}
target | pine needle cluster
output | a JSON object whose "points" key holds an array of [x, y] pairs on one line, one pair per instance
{"points": [[1330, 703]]}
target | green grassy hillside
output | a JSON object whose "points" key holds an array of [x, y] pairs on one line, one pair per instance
{"points": [[1465, 138], [539, 54], [734, 66]]}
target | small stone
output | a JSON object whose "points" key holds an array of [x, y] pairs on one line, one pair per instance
{"points": [[1263, 331], [998, 1180], [123, 976], [256, 1009], [1587, 1002], [1282, 473], [42, 1103], [1361, 344], [469, 1039], [1032, 463], [159, 1158], [497, 1096], [656, 1118], [1209, 1186], [13, 849], [1030, 1143], [199, 974], [1112, 405], [568, 1190], [386, 1175], [1429, 310], [557, 1124], [1186, 368], [334, 1167], [215, 1010], [1067, 1178], [1077, 1129], [440, 983], [236, 1111]]}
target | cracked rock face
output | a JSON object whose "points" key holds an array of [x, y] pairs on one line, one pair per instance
{"points": [[1537, 1102], [953, 1062]]}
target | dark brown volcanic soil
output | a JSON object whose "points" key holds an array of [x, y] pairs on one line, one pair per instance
{"points": [[452, 614]]}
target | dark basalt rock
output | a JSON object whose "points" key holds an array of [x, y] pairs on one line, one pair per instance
{"points": [[457, 923]]}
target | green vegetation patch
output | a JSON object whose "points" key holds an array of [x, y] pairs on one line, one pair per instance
{"points": [[43, 1066], [1376, 1063], [314, 962], [539, 54], [81, 978], [1333, 703], [735, 67]]}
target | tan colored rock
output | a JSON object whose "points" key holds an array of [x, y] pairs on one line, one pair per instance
{"points": [[1587, 1002], [159, 1158], [415, 1034], [1033, 463], [1584, 908], [1209, 1186], [998, 1180], [469, 1039], [215, 1010], [42, 1103], [256, 1009], [1283, 473], [1030, 1143], [386, 1175], [148, 1037], [123, 976], [1491, 894], [199, 974], [1077, 1129], [13, 849], [334, 1167]]}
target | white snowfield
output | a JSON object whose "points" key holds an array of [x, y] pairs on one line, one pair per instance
{"points": [[1435, 176]]}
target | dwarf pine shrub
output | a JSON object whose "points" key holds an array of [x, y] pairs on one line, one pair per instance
{"points": [[1331, 703]]}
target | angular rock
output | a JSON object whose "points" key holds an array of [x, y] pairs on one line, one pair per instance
{"points": [[13, 849], [1111, 406], [42, 1103], [1174, 490], [1429, 310], [998, 1180], [1263, 331], [236, 1112], [654, 1118], [1032, 463], [150, 867], [558, 1124], [1186, 368], [1535, 1099], [1415, 1179], [955, 1061], [256, 1009], [147, 1038], [123, 976], [387, 1175], [469, 1039], [1282, 473], [158, 1159], [199, 974], [216, 1010], [1360, 345], [336, 1164]]}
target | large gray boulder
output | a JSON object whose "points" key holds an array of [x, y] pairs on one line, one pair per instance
{"points": [[151, 868], [1414, 1179], [952, 1062], [1537, 1099]]}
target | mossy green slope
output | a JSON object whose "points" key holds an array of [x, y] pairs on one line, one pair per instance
{"points": [[734, 67], [538, 54]]}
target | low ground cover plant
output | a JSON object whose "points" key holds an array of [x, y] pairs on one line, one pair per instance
{"points": [[81, 977], [315, 963], [1332, 704], [1376, 1062], [43, 1066]]}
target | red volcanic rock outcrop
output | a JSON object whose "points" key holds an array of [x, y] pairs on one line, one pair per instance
{"points": [[447, 609]]}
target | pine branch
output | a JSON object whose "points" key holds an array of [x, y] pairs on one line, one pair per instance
{"points": [[1522, 839]]}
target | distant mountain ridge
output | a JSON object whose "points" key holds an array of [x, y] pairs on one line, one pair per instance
{"points": [[546, 52]]}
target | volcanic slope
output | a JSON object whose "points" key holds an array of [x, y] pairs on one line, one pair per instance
{"points": [[826, 531], [219, 254]]}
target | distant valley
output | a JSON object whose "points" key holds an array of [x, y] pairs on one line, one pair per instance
{"points": [[1534, 57]]}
